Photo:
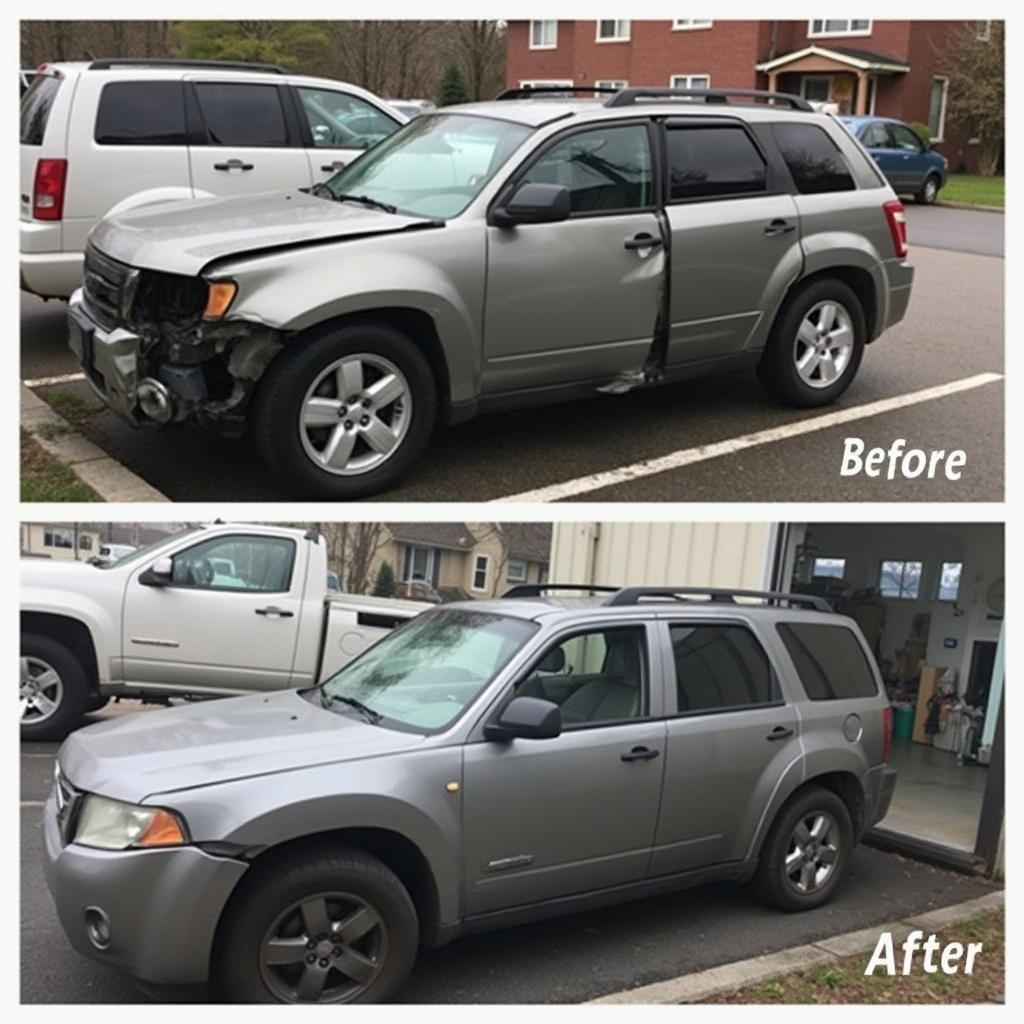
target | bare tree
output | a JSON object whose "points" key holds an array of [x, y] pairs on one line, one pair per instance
{"points": [[351, 550], [480, 52]]}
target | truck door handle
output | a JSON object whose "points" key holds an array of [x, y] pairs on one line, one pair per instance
{"points": [[641, 241], [640, 754], [780, 732], [336, 166], [274, 611], [233, 165], [778, 227]]}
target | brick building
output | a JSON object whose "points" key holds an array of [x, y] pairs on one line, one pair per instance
{"points": [[889, 68]]}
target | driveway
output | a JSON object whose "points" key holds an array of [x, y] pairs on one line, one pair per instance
{"points": [[656, 444], [563, 961]]}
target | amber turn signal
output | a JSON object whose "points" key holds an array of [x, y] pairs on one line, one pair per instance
{"points": [[219, 298], [163, 830]]}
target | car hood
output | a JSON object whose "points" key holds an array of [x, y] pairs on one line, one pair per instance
{"points": [[205, 744], [183, 237]]}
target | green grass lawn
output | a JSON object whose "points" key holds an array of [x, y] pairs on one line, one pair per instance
{"points": [[974, 189], [44, 478]]}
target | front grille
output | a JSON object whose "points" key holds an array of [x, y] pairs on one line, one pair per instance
{"points": [[107, 288]]}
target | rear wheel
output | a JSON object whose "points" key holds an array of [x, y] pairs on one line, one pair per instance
{"points": [[53, 689], [322, 927], [806, 851], [929, 191]]}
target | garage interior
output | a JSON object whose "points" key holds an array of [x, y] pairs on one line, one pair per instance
{"points": [[929, 599]]}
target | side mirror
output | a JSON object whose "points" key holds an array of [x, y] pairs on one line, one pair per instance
{"points": [[158, 574], [533, 204], [528, 718]]}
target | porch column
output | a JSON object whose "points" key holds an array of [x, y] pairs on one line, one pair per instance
{"points": [[773, 81], [861, 103]]}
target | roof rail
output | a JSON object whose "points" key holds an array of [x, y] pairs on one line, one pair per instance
{"points": [[536, 589], [627, 97], [181, 62], [532, 90], [718, 595]]}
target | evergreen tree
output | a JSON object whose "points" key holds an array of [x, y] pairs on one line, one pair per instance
{"points": [[453, 88], [384, 585]]}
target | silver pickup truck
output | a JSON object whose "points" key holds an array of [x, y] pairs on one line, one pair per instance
{"points": [[211, 612], [496, 255]]}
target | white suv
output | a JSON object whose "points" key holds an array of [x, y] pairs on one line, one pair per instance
{"points": [[104, 136]]}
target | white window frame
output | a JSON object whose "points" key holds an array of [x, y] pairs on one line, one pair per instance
{"points": [[673, 81], [983, 31], [432, 555], [611, 83], [830, 558], [691, 24], [904, 562], [486, 559], [517, 562], [959, 583], [553, 45], [50, 534], [619, 23], [941, 137], [532, 83], [847, 32]]}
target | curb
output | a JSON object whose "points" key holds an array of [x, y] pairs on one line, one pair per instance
{"points": [[971, 206], [693, 988], [93, 466]]}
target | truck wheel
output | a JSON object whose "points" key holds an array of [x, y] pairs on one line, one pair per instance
{"points": [[816, 344], [344, 412], [326, 926], [54, 689], [929, 191], [806, 851]]}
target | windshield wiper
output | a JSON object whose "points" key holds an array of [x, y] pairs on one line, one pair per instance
{"points": [[373, 717], [348, 197]]}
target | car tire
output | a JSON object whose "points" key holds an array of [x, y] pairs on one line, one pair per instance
{"points": [[929, 191], [795, 334], [52, 674], [778, 880], [311, 371], [267, 919]]}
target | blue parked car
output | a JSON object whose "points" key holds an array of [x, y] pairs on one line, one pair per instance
{"points": [[908, 162]]}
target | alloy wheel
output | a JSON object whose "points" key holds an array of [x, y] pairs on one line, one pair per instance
{"points": [[931, 190], [824, 344], [355, 414], [325, 948], [41, 690], [812, 853]]}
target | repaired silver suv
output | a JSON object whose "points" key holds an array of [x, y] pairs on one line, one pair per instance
{"points": [[493, 255], [486, 764]]}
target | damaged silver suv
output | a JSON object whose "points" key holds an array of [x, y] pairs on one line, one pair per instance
{"points": [[496, 254]]}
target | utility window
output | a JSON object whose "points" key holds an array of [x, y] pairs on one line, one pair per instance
{"points": [[840, 27], [516, 572], [949, 581], [690, 24], [613, 31], [833, 568], [543, 35], [813, 159], [901, 580], [480, 567], [690, 81], [708, 162]]}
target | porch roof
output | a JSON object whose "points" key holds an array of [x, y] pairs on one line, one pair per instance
{"points": [[842, 56]]}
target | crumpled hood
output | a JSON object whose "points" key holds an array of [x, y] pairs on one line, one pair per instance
{"points": [[218, 741], [182, 237]]}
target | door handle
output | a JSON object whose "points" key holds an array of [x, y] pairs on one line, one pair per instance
{"points": [[639, 754], [336, 166], [233, 165], [778, 227], [780, 732], [641, 241], [275, 612]]}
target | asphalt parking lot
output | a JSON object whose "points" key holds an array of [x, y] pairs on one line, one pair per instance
{"points": [[953, 331], [562, 961]]}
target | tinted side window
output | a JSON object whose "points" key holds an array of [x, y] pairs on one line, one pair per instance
{"points": [[238, 114], [713, 162], [829, 660], [35, 108], [813, 159], [605, 170], [720, 667], [141, 114]]}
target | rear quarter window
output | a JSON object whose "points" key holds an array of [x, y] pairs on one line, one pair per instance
{"points": [[813, 159], [35, 108], [829, 660], [141, 114]]}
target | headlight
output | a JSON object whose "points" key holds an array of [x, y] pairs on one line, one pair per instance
{"points": [[113, 825]]}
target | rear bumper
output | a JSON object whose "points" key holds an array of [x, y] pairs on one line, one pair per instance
{"points": [[879, 786], [50, 275]]}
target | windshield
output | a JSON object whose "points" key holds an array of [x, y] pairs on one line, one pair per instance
{"points": [[425, 674], [433, 167], [134, 556]]}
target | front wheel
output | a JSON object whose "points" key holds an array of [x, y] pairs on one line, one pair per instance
{"points": [[816, 344], [53, 690], [345, 411], [929, 191]]}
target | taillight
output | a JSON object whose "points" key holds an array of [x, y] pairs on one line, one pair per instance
{"points": [[886, 732], [897, 226], [48, 192]]}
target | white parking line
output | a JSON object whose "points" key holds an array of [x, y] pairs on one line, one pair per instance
{"points": [[62, 378], [33, 803], [689, 456]]}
